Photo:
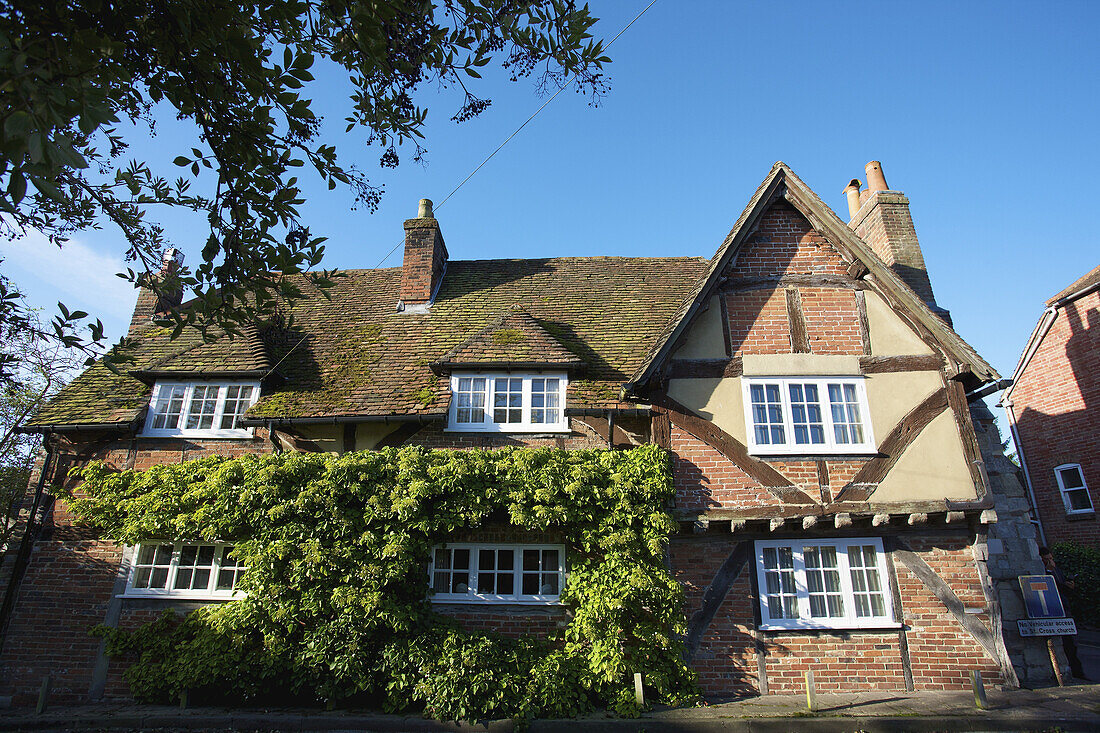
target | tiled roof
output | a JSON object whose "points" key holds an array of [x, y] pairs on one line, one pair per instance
{"points": [[100, 396], [352, 354], [514, 338], [1092, 277]]}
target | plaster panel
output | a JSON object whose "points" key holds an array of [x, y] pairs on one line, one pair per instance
{"points": [[799, 365], [892, 395], [717, 400], [890, 336], [933, 467], [704, 339]]}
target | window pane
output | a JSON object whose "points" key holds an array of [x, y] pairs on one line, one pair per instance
{"points": [[545, 406], [238, 398], [204, 403], [767, 414], [823, 582], [1079, 500], [806, 414], [152, 566], [168, 407], [461, 559], [470, 400], [844, 408], [867, 591], [1071, 477], [779, 582], [508, 400]]}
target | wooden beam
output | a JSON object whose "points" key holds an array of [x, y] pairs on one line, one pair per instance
{"points": [[899, 613], [800, 340], [705, 368], [901, 437], [823, 483], [902, 363], [740, 284], [939, 587], [956, 399], [713, 596], [660, 429], [349, 437], [864, 322], [400, 436], [855, 492], [776, 483], [296, 443], [600, 426]]}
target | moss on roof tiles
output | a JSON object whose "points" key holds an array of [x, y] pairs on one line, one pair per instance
{"points": [[351, 353]]}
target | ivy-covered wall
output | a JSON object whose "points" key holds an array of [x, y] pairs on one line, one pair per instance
{"points": [[337, 597]]}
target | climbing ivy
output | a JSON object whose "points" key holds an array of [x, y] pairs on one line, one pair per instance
{"points": [[337, 602]]}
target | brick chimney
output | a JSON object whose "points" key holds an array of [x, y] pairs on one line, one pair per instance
{"points": [[882, 219], [148, 305], [425, 259]]}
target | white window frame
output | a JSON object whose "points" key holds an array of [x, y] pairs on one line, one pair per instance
{"points": [[517, 570], [525, 425], [830, 446], [1065, 492], [210, 593], [849, 620], [162, 387]]}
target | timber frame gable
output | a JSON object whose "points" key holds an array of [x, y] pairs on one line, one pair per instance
{"points": [[865, 270]]}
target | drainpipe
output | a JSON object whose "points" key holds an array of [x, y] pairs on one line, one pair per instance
{"points": [[22, 559], [1007, 405]]}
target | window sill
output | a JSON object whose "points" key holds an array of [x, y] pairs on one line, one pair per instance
{"points": [[834, 454], [510, 430], [877, 626], [452, 601], [180, 596]]}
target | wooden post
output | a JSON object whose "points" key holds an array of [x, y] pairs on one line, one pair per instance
{"points": [[811, 693], [639, 693], [979, 689], [183, 699], [1054, 662], [43, 692]]}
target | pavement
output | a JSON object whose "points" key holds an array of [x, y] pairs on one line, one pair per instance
{"points": [[1065, 709]]}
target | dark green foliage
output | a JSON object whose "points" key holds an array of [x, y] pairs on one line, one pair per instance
{"points": [[1081, 564], [337, 591]]}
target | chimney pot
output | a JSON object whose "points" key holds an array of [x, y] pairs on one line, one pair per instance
{"points": [[876, 179], [425, 210], [852, 192]]}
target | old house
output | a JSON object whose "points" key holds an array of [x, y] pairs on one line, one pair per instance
{"points": [[836, 511], [1053, 407]]}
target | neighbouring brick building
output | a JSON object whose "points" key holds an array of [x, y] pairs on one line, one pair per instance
{"points": [[1053, 407], [843, 506]]}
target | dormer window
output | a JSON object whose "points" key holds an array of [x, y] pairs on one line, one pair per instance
{"points": [[508, 403], [200, 409]]}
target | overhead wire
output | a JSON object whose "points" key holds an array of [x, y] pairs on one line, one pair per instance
{"points": [[534, 114]]}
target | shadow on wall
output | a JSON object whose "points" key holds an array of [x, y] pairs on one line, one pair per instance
{"points": [[1068, 437]]}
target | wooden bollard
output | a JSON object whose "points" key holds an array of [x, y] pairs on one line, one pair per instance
{"points": [[979, 689], [183, 699], [43, 693], [811, 692], [639, 693], [1054, 662]]}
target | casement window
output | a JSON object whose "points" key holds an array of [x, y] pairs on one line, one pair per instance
{"points": [[183, 570], [200, 409], [508, 403], [497, 573], [823, 584], [807, 416], [1075, 493]]}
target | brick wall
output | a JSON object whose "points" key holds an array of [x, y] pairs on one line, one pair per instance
{"points": [[941, 653], [1056, 406], [784, 243], [706, 479]]}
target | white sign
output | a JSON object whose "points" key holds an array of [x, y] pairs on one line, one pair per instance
{"points": [[1047, 627]]}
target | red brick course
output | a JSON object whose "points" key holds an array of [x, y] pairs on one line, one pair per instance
{"points": [[1056, 406]]}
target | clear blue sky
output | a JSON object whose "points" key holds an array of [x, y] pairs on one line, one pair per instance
{"points": [[984, 114]]}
